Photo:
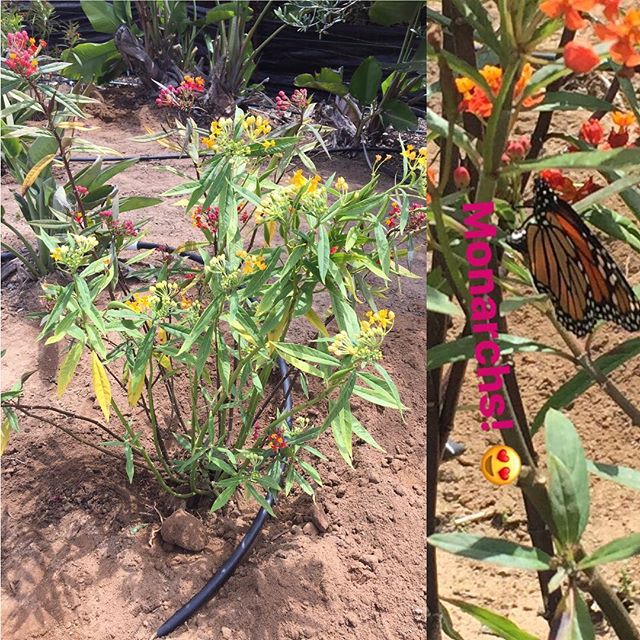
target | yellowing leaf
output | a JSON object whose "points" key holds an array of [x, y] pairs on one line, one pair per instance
{"points": [[78, 126], [35, 171], [4, 435], [315, 320], [271, 230], [68, 367], [101, 386]]}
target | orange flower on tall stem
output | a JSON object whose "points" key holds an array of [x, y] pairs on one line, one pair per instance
{"points": [[626, 33], [568, 10], [476, 101]]}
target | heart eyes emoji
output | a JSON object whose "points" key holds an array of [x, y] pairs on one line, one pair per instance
{"points": [[501, 465]]}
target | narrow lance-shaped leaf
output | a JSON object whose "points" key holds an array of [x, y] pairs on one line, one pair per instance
{"points": [[101, 386], [619, 549], [68, 366], [493, 550], [499, 625]]}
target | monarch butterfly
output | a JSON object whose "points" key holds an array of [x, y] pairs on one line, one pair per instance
{"points": [[569, 263]]}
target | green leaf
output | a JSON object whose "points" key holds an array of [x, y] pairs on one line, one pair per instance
{"points": [[447, 624], [323, 252], [128, 464], [571, 483], [260, 499], [499, 625], [92, 62], [325, 80], [626, 476], [101, 15], [222, 12], [464, 349], [614, 224], [390, 12], [619, 549], [577, 385], [224, 497], [438, 125], [139, 369], [400, 115], [137, 202], [342, 428], [68, 366], [493, 550], [569, 101], [564, 505], [306, 353], [612, 159], [438, 302], [346, 317], [365, 82], [477, 16], [363, 434]]}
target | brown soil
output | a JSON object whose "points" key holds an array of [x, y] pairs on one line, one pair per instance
{"points": [[81, 557]]}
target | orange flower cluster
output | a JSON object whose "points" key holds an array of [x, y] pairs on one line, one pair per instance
{"points": [[476, 101], [593, 133], [621, 27], [565, 186]]}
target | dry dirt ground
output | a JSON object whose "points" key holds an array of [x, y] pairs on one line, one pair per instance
{"points": [[607, 435], [79, 557]]}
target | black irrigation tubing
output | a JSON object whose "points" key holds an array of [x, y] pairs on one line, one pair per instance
{"points": [[184, 156], [227, 569], [231, 563]]}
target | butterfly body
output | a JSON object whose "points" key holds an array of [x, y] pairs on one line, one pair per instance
{"points": [[569, 263]]}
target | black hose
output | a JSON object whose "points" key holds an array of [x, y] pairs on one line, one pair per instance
{"points": [[226, 570]]}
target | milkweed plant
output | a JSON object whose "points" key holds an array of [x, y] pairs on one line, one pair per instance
{"points": [[183, 343]]}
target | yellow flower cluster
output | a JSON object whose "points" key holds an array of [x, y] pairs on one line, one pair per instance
{"points": [[73, 254], [225, 137], [342, 185], [412, 155], [140, 303], [366, 347], [298, 181], [251, 263], [256, 126]]}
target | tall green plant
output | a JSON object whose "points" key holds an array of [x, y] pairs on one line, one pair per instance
{"points": [[29, 151]]}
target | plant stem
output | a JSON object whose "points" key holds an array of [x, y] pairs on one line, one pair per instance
{"points": [[591, 368]]}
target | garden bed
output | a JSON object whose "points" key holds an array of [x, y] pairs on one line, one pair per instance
{"points": [[81, 549]]}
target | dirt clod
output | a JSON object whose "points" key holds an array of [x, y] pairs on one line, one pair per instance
{"points": [[185, 531]]}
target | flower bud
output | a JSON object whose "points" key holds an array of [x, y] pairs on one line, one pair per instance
{"points": [[461, 178]]}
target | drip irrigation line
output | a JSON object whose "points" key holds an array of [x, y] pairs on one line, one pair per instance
{"points": [[230, 565], [183, 156]]}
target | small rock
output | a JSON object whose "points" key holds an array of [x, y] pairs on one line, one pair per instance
{"points": [[310, 529], [185, 531], [351, 619], [226, 633], [374, 478], [370, 560], [400, 490], [319, 518], [340, 492]]}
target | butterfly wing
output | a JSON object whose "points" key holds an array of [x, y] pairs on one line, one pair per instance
{"points": [[569, 263]]}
